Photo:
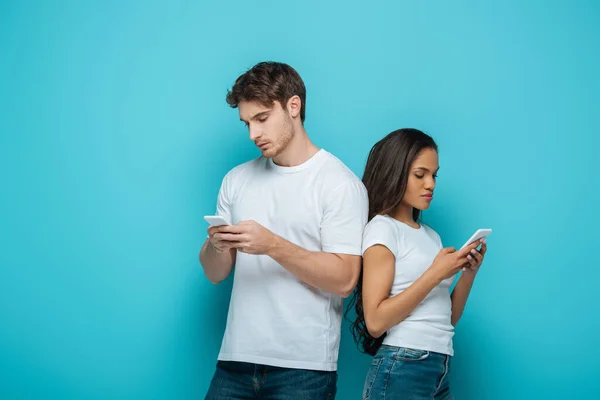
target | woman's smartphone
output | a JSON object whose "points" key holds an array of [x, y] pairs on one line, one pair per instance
{"points": [[479, 234]]}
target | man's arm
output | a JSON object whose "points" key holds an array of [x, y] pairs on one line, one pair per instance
{"points": [[336, 268], [217, 256], [217, 259], [333, 273]]}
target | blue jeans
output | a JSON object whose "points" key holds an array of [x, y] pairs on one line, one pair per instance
{"points": [[398, 373], [238, 380]]}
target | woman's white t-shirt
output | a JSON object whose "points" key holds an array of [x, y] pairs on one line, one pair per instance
{"points": [[429, 326]]}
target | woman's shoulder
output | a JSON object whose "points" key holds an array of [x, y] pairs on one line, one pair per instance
{"points": [[432, 233], [381, 222]]}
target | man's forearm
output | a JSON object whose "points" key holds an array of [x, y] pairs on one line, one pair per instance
{"points": [[325, 271], [217, 265]]}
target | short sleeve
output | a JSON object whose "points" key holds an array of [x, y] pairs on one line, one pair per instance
{"points": [[383, 232], [439, 240], [224, 199], [345, 214]]}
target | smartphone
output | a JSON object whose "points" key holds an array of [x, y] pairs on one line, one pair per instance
{"points": [[479, 234], [216, 220]]}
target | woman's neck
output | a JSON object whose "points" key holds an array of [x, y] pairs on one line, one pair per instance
{"points": [[404, 213]]}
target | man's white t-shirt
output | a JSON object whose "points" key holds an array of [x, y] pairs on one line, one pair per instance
{"points": [[429, 326], [274, 318]]}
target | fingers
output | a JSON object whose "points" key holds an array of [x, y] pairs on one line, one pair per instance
{"points": [[234, 229], [222, 228], [465, 252], [472, 260], [476, 256], [483, 248], [241, 227], [465, 265], [223, 245], [228, 237]]}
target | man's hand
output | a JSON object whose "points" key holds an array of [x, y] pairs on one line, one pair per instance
{"points": [[216, 242], [248, 237]]}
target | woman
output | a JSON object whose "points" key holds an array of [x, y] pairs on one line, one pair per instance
{"points": [[405, 312]]}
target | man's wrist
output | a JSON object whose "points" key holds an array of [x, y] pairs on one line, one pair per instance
{"points": [[275, 246], [215, 248]]}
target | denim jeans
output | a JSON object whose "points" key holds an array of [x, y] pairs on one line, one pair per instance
{"points": [[399, 373], [238, 380]]}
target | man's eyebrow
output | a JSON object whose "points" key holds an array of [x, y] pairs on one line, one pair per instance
{"points": [[260, 114]]}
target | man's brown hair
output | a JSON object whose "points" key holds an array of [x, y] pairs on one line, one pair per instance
{"points": [[267, 82]]}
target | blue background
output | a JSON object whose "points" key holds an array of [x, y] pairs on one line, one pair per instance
{"points": [[115, 135]]}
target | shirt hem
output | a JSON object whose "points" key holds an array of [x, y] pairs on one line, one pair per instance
{"points": [[275, 362], [441, 349]]}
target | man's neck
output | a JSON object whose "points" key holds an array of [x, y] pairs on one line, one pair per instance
{"points": [[299, 150]]}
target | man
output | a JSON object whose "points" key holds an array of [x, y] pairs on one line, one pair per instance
{"points": [[297, 216]]}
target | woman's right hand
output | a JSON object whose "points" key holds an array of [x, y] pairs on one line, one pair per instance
{"points": [[449, 261]]}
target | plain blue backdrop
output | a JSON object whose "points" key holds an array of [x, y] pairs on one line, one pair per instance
{"points": [[115, 135]]}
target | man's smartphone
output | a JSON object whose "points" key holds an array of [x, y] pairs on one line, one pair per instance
{"points": [[216, 220]]}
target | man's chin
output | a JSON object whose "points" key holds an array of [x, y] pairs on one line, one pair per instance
{"points": [[269, 153]]}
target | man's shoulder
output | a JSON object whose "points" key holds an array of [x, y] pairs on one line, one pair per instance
{"points": [[241, 171], [337, 171]]}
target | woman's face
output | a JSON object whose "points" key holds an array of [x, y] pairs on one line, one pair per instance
{"points": [[421, 180]]}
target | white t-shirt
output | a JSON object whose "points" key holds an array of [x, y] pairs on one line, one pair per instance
{"points": [[274, 318], [429, 326]]}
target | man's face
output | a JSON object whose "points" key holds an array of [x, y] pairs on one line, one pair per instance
{"points": [[270, 128]]}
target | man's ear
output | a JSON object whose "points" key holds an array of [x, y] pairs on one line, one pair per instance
{"points": [[294, 105]]}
